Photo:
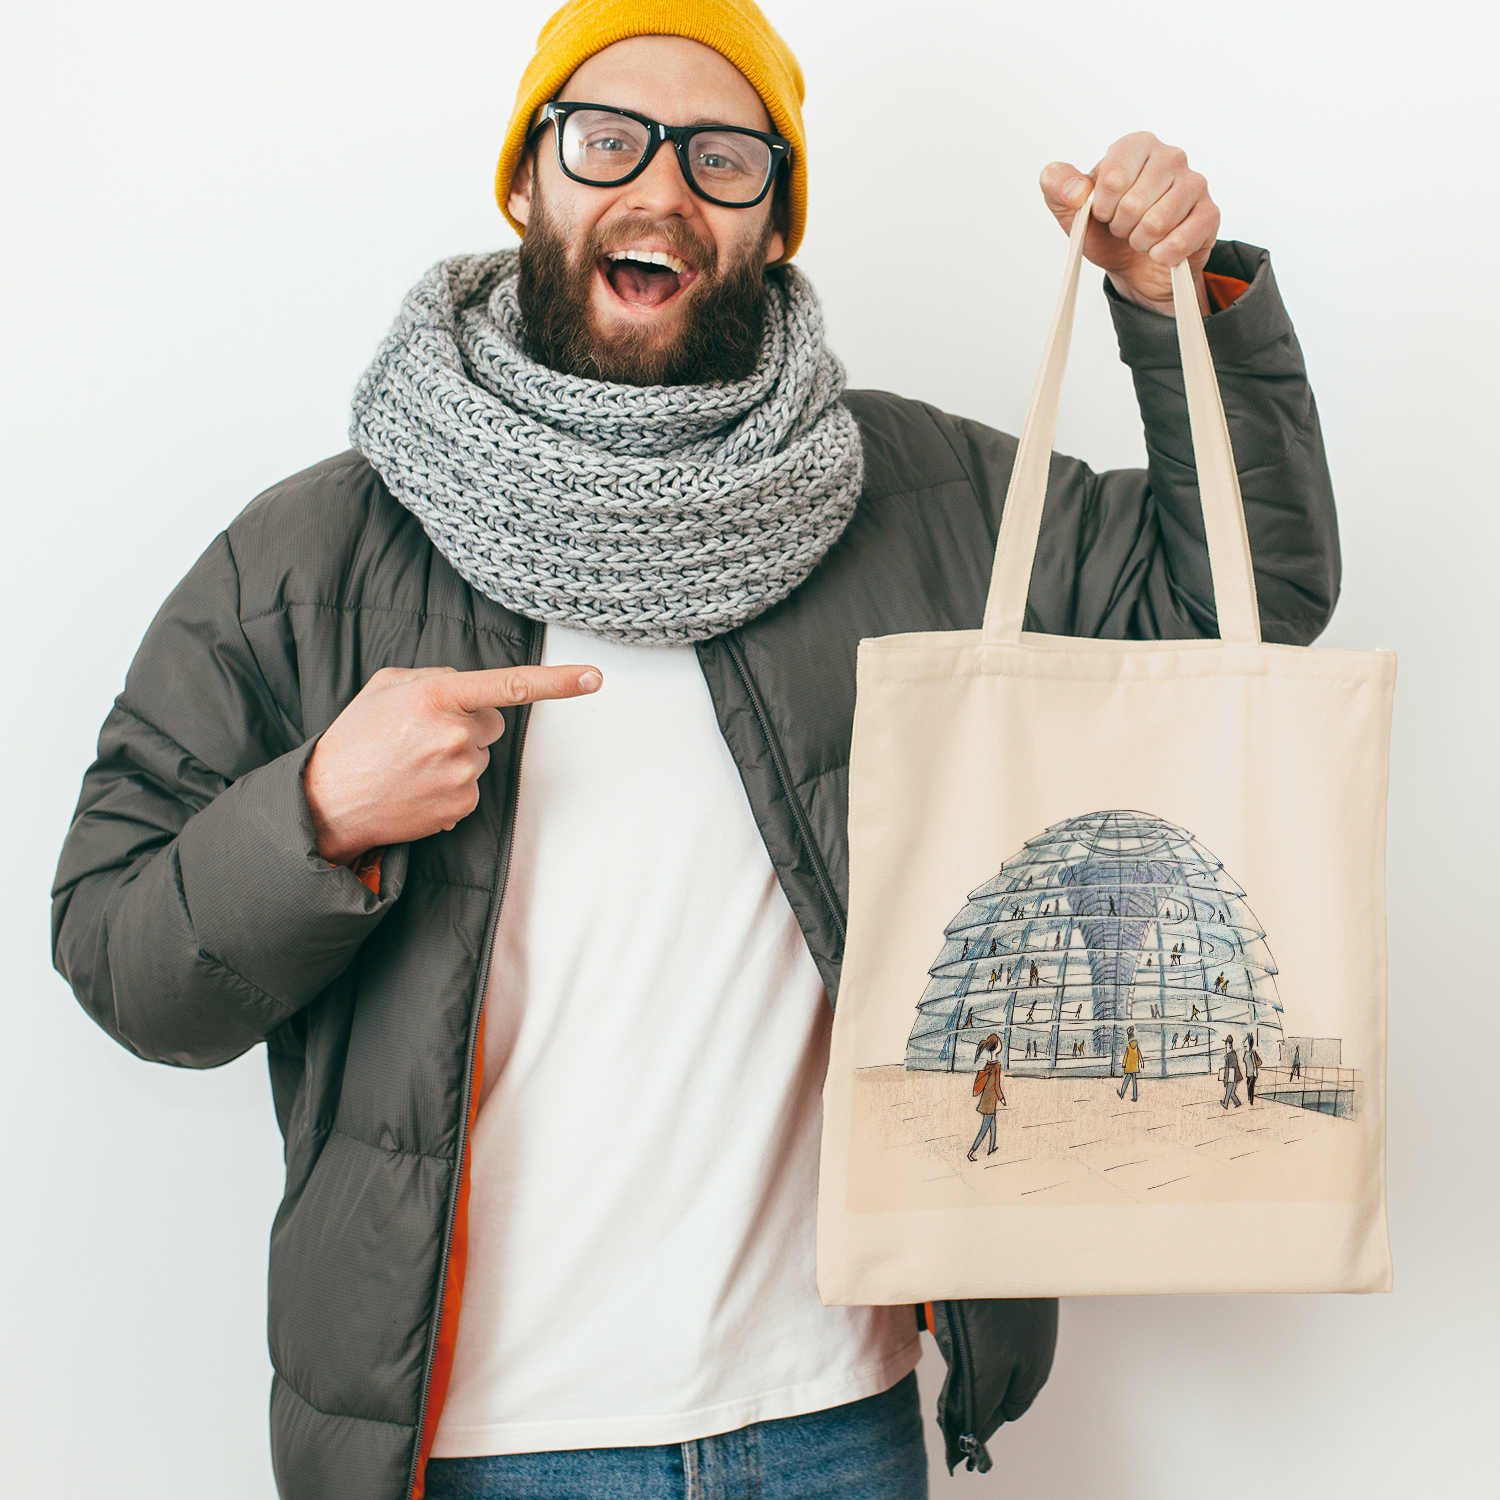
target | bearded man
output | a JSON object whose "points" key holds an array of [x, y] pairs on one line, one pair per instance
{"points": [[547, 1046]]}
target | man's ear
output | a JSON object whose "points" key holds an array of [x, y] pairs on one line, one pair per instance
{"points": [[781, 216], [518, 200]]}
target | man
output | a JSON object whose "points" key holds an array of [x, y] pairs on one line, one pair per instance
{"points": [[987, 1087], [1252, 1069], [620, 469], [1131, 1067], [1229, 1075]]}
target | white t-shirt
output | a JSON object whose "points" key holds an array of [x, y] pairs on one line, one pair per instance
{"points": [[645, 1159]]}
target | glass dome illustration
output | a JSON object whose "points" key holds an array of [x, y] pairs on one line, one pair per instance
{"points": [[1108, 921]]}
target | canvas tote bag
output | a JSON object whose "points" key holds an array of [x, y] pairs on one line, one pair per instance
{"points": [[1145, 879]]}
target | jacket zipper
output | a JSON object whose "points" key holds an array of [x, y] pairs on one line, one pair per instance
{"points": [[973, 1450], [783, 777], [502, 875]]}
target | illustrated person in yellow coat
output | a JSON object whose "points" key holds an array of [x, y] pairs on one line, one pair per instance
{"points": [[1132, 1066], [987, 1086]]}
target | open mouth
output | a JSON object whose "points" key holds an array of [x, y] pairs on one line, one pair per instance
{"points": [[645, 278]]}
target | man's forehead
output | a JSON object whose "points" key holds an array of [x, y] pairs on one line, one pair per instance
{"points": [[670, 78]]}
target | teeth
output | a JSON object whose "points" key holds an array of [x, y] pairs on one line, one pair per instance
{"points": [[651, 258]]}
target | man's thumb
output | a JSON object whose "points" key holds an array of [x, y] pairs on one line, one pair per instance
{"points": [[1064, 187]]}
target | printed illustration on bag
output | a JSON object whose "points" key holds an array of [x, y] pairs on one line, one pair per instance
{"points": [[1107, 1006]]}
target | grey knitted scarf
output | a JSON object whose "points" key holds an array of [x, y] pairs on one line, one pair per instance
{"points": [[661, 514]]}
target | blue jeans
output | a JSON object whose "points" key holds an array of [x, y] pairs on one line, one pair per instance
{"points": [[871, 1449], [1129, 1082]]}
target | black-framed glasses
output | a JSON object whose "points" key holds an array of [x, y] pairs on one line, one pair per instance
{"points": [[605, 147]]}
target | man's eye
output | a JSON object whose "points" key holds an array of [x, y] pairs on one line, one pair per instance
{"points": [[609, 143]]}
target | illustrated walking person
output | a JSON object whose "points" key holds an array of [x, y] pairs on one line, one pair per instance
{"points": [[1252, 1069], [1132, 1067], [1229, 1074], [1297, 1062], [987, 1086]]}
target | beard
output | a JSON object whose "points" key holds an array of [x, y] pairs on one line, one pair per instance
{"points": [[719, 333]]}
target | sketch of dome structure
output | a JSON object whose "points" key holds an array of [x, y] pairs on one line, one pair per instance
{"points": [[1107, 921]]}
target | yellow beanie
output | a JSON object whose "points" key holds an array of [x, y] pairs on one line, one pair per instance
{"points": [[734, 28]]}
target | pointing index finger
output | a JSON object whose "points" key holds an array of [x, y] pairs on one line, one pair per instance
{"points": [[505, 687]]}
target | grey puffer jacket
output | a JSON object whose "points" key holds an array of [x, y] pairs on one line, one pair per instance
{"points": [[194, 919]]}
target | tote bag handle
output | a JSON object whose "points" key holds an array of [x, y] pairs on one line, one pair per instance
{"points": [[1218, 482]]}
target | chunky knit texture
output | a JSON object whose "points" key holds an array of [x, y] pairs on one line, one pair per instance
{"points": [[648, 514]]}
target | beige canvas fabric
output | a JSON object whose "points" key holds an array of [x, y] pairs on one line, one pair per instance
{"points": [[1111, 857]]}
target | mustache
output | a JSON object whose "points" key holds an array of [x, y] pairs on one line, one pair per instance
{"points": [[700, 254]]}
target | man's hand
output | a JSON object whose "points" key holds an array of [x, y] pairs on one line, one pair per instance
{"points": [[1150, 211], [403, 760]]}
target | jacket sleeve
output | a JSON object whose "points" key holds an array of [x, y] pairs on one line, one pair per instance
{"points": [[192, 914], [1122, 553]]}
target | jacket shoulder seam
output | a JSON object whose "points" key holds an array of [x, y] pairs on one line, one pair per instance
{"points": [[939, 420], [289, 729], [945, 431]]}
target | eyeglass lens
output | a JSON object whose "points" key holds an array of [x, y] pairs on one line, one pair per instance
{"points": [[601, 148]]}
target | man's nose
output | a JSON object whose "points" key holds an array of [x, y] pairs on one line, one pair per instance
{"points": [[661, 190]]}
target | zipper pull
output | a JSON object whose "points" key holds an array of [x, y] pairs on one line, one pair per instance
{"points": [[977, 1456]]}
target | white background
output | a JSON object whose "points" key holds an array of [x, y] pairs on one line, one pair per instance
{"points": [[212, 212]]}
